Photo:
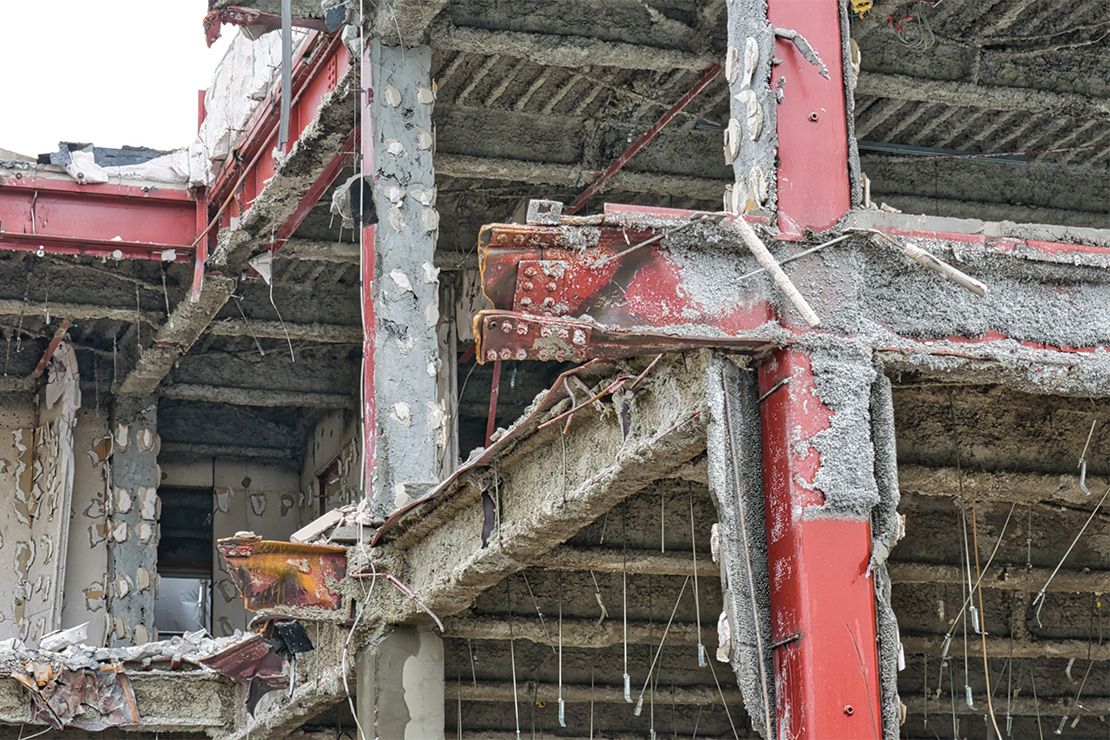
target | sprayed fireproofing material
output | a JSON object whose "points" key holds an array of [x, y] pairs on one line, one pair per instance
{"points": [[406, 282], [133, 526], [736, 485], [750, 138]]}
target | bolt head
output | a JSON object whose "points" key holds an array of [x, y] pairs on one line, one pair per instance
{"points": [[543, 354], [526, 301], [579, 337], [548, 302], [507, 327], [491, 355], [545, 331], [564, 334], [551, 286], [529, 272], [506, 354], [528, 285], [521, 354], [522, 328]]}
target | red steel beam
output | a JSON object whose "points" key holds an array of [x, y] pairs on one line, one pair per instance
{"points": [[367, 263], [104, 220], [813, 188], [826, 681], [320, 64], [710, 74]]}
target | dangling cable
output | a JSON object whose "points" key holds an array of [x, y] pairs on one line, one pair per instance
{"points": [[562, 707], [512, 659], [697, 598], [624, 600]]}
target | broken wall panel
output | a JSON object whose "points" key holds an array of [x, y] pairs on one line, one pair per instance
{"points": [[41, 462], [248, 496], [17, 418]]}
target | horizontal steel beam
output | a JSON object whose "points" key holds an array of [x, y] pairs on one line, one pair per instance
{"points": [[1003, 577], [499, 691], [577, 633], [573, 52], [322, 333], [571, 176], [971, 95], [77, 311], [640, 562], [100, 220], [257, 396], [1004, 486], [1001, 647]]}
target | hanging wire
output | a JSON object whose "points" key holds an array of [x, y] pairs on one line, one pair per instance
{"points": [[697, 597]]}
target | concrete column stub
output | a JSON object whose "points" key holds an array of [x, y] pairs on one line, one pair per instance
{"points": [[405, 288], [400, 686], [132, 554]]}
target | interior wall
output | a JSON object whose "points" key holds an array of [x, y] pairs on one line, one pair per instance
{"points": [[87, 551], [334, 440], [17, 414], [249, 496]]}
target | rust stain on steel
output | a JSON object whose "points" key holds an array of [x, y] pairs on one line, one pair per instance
{"points": [[274, 574], [86, 698]]}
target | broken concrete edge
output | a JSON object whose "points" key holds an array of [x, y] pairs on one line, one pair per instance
{"points": [[667, 430]]}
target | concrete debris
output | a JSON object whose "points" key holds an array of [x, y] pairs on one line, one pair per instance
{"points": [[59, 640]]}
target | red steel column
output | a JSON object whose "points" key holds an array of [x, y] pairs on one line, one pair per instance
{"points": [[369, 316], [826, 680], [813, 187]]}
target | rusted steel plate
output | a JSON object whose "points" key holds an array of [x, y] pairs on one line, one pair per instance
{"points": [[271, 574]]}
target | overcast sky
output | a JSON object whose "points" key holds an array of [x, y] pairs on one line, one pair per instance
{"points": [[110, 72]]}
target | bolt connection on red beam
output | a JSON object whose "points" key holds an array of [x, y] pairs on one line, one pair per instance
{"points": [[813, 187], [826, 681], [710, 74]]}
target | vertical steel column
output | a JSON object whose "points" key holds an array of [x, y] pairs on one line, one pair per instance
{"points": [[822, 604], [813, 185], [366, 282]]}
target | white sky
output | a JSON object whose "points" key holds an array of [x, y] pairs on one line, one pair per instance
{"points": [[109, 72]]}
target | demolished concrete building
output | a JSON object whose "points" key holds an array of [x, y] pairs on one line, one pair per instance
{"points": [[453, 384]]}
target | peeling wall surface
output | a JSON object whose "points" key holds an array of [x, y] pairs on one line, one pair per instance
{"points": [[87, 557], [18, 417]]}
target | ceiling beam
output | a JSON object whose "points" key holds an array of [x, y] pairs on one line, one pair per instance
{"points": [[603, 468], [403, 22], [504, 691], [76, 311], [190, 450], [1002, 486], [970, 95], [1002, 577], [1001, 647], [571, 176], [640, 562], [1051, 708], [322, 333], [587, 634], [573, 52], [310, 156], [256, 396], [317, 250]]}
